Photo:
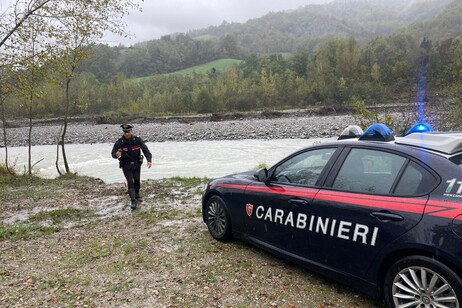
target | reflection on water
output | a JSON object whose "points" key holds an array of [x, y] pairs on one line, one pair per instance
{"points": [[186, 159]]}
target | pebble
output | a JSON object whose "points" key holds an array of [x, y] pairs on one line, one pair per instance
{"points": [[290, 127]]}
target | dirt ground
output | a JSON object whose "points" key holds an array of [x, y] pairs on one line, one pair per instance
{"points": [[74, 242]]}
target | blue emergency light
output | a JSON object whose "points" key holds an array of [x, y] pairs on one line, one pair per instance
{"points": [[377, 132], [419, 128]]}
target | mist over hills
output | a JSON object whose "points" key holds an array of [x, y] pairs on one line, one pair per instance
{"points": [[362, 19], [447, 24], [281, 32]]}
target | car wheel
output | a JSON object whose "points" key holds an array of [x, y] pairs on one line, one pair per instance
{"points": [[422, 282], [217, 219]]}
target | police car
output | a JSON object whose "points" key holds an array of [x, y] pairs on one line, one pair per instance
{"points": [[380, 213]]}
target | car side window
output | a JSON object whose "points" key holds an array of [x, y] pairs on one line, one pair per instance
{"points": [[368, 171], [304, 168], [456, 159], [415, 181]]}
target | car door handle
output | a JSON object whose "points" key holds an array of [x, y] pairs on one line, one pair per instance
{"points": [[298, 202], [387, 216]]}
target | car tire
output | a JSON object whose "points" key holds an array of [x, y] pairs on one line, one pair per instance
{"points": [[217, 219], [420, 281]]}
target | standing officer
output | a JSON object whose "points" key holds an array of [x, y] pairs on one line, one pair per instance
{"points": [[127, 150]]}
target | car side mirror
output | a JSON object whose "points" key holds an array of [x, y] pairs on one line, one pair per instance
{"points": [[261, 175]]}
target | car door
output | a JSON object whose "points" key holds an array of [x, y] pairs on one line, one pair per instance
{"points": [[277, 211], [373, 197]]}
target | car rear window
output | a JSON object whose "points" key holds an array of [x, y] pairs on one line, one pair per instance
{"points": [[369, 171], [457, 159], [415, 181]]}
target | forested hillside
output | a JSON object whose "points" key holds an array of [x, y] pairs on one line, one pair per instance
{"points": [[303, 28], [363, 53], [446, 25], [281, 32]]}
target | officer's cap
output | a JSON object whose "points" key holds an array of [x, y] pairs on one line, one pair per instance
{"points": [[126, 127]]}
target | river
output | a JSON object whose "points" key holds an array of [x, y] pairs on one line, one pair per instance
{"points": [[209, 159]]}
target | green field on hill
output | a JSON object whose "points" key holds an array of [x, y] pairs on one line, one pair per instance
{"points": [[219, 65]]}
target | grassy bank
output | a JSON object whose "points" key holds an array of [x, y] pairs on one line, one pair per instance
{"points": [[73, 242]]}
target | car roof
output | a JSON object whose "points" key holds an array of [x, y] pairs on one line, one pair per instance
{"points": [[443, 142]]}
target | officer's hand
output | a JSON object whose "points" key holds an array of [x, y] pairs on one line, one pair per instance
{"points": [[119, 153], [149, 164]]}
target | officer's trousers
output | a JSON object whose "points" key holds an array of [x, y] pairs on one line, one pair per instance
{"points": [[132, 174]]}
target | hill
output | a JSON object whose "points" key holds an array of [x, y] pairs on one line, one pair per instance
{"points": [[446, 25], [280, 32], [303, 28]]}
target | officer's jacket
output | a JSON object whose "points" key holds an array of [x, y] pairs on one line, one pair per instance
{"points": [[131, 150]]}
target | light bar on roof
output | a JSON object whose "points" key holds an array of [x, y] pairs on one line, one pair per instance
{"points": [[419, 128], [352, 131], [377, 132]]}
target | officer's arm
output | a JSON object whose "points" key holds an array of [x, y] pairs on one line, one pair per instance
{"points": [[115, 149], [145, 150]]}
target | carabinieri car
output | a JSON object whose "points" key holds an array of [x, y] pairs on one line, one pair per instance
{"points": [[380, 213]]}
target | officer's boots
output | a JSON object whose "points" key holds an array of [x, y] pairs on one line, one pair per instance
{"points": [[138, 196], [132, 194]]}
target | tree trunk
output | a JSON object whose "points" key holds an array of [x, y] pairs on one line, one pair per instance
{"points": [[57, 151], [29, 140], [4, 136], [63, 135]]}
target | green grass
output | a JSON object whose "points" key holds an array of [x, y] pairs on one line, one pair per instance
{"points": [[24, 232], [154, 216], [260, 166], [184, 182], [18, 180], [4, 171], [220, 65], [59, 215]]}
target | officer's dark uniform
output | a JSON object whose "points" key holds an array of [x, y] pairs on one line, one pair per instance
{"points": [[130, 161]]}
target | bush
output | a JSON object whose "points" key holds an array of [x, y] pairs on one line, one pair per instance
{"points": [[9, 170]]}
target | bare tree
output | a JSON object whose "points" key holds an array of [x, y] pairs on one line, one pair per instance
{"points": [[32, 32], [68, 66], [4, 92], [31, 71]]}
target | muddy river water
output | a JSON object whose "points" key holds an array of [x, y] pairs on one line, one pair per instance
{"points": [[186, 159]]}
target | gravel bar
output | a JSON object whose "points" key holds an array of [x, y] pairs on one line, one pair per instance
{"points": [[290, 127]]}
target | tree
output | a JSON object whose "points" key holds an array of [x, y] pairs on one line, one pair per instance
{"points": [[445, 77], [4, 92], [68, 66], [203, 100], [300, 63], [268, 85], [30, 72], [50, 28], [322, 73]]}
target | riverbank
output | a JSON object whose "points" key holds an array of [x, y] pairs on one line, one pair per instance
{"points": [[284, 124], [73, 242], [282, 127]]}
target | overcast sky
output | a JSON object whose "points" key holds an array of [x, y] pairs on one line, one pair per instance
{"points": [[161, 17]]}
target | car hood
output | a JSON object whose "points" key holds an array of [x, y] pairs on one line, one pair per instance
{"points": [[235, 178], [248, 175]]}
